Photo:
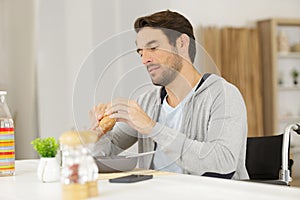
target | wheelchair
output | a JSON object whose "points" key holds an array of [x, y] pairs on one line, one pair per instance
{"points": [[268, 158]]}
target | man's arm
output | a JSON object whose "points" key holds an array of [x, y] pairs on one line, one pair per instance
{"points": [[120, 138], [110, 142]]}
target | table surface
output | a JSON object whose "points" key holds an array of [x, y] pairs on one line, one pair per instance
{"points": [[25, 185]]}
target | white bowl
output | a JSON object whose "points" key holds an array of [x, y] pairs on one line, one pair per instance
{"points": [[115, 163]]}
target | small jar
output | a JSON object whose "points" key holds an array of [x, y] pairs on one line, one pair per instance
{"points": [[79, 171]]}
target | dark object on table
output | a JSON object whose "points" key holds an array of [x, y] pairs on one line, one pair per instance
{"points": [[131, 178]]}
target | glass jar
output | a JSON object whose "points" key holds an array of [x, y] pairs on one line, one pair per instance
{"points": [[92, 174], [7, 139], [79, 171]]}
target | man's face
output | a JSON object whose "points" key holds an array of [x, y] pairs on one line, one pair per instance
{"points": [[158, 55]]}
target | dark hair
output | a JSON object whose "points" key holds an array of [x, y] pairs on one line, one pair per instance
{"points": [[172, 24]]}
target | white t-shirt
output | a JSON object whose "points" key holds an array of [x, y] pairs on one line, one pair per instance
{"points": [[172, 118]]}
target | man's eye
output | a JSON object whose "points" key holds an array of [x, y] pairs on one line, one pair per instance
{"points": [[140, 53], [153, 48]]}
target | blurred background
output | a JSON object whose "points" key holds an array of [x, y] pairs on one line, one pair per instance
{"points": [[45, 46]]}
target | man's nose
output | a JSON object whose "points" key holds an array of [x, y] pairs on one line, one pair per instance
{"points": [[146, 57]]}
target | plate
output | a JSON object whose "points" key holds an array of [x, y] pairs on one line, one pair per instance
{"points": [[115, 163]]}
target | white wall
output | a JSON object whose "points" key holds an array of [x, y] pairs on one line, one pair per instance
{"points": [[64, 40], [236, 12], [66, 32], [212, 12]]}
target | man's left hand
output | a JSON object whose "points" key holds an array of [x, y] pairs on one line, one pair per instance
{"points": [[128, 111]]}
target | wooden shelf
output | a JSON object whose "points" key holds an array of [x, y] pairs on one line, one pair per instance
{"points": [[289, 55], [288, 88], [289, 119], [272, 62]]}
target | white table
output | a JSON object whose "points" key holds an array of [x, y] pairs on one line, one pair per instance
{"points": [[25, 185]]}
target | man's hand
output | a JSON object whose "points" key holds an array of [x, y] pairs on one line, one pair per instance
{"points": [[128, 111], [96, 114]]}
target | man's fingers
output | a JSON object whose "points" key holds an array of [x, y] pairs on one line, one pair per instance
{"points": [[116, 108], [99, 111], [120, 116]]}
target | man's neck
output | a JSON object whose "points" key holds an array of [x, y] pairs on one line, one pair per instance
{"points": [[182, 85]]}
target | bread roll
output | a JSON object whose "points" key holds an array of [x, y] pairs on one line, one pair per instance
{"points": [[107, 123]]}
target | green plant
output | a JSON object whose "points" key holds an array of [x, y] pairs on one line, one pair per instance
{"points": [[46, 147], [295, 73]]}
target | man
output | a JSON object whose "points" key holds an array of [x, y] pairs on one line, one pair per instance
{"points": [[195, 122]]}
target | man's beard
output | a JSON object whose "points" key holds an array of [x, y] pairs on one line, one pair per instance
{"points": [[169, 72]]}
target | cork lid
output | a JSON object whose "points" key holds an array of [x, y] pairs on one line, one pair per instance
{"points": [[76, 138]]}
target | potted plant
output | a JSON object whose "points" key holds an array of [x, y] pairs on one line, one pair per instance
{"points": [[295, 75], [48, 169]]}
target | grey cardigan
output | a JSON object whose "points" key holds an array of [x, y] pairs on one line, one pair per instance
{"points": [[212, 137]]}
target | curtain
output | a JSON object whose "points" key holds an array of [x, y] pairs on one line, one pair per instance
{"points": [[211, 41], [17, 70], [236, 53]]}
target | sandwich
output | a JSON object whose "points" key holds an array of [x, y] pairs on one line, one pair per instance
{"points": [[107, 123]]}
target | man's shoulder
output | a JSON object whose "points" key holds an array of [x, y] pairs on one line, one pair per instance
{"points": [[217, 85], [220, 82], [214, 82]]}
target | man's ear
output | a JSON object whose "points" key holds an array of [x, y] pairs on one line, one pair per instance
{"points": [[183, 42]]}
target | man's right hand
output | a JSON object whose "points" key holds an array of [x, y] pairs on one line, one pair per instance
{"points": [[96, 114]]}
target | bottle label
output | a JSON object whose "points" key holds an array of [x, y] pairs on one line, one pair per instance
{"points": [[7, 151]]}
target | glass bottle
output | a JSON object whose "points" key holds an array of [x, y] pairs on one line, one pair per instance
{"points": [[79, 171], [7, 139]]}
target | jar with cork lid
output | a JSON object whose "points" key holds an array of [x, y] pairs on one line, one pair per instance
{"points": [[79, 171]]}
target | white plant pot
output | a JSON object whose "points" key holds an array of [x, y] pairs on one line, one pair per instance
{"points": [[48, 170]]}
